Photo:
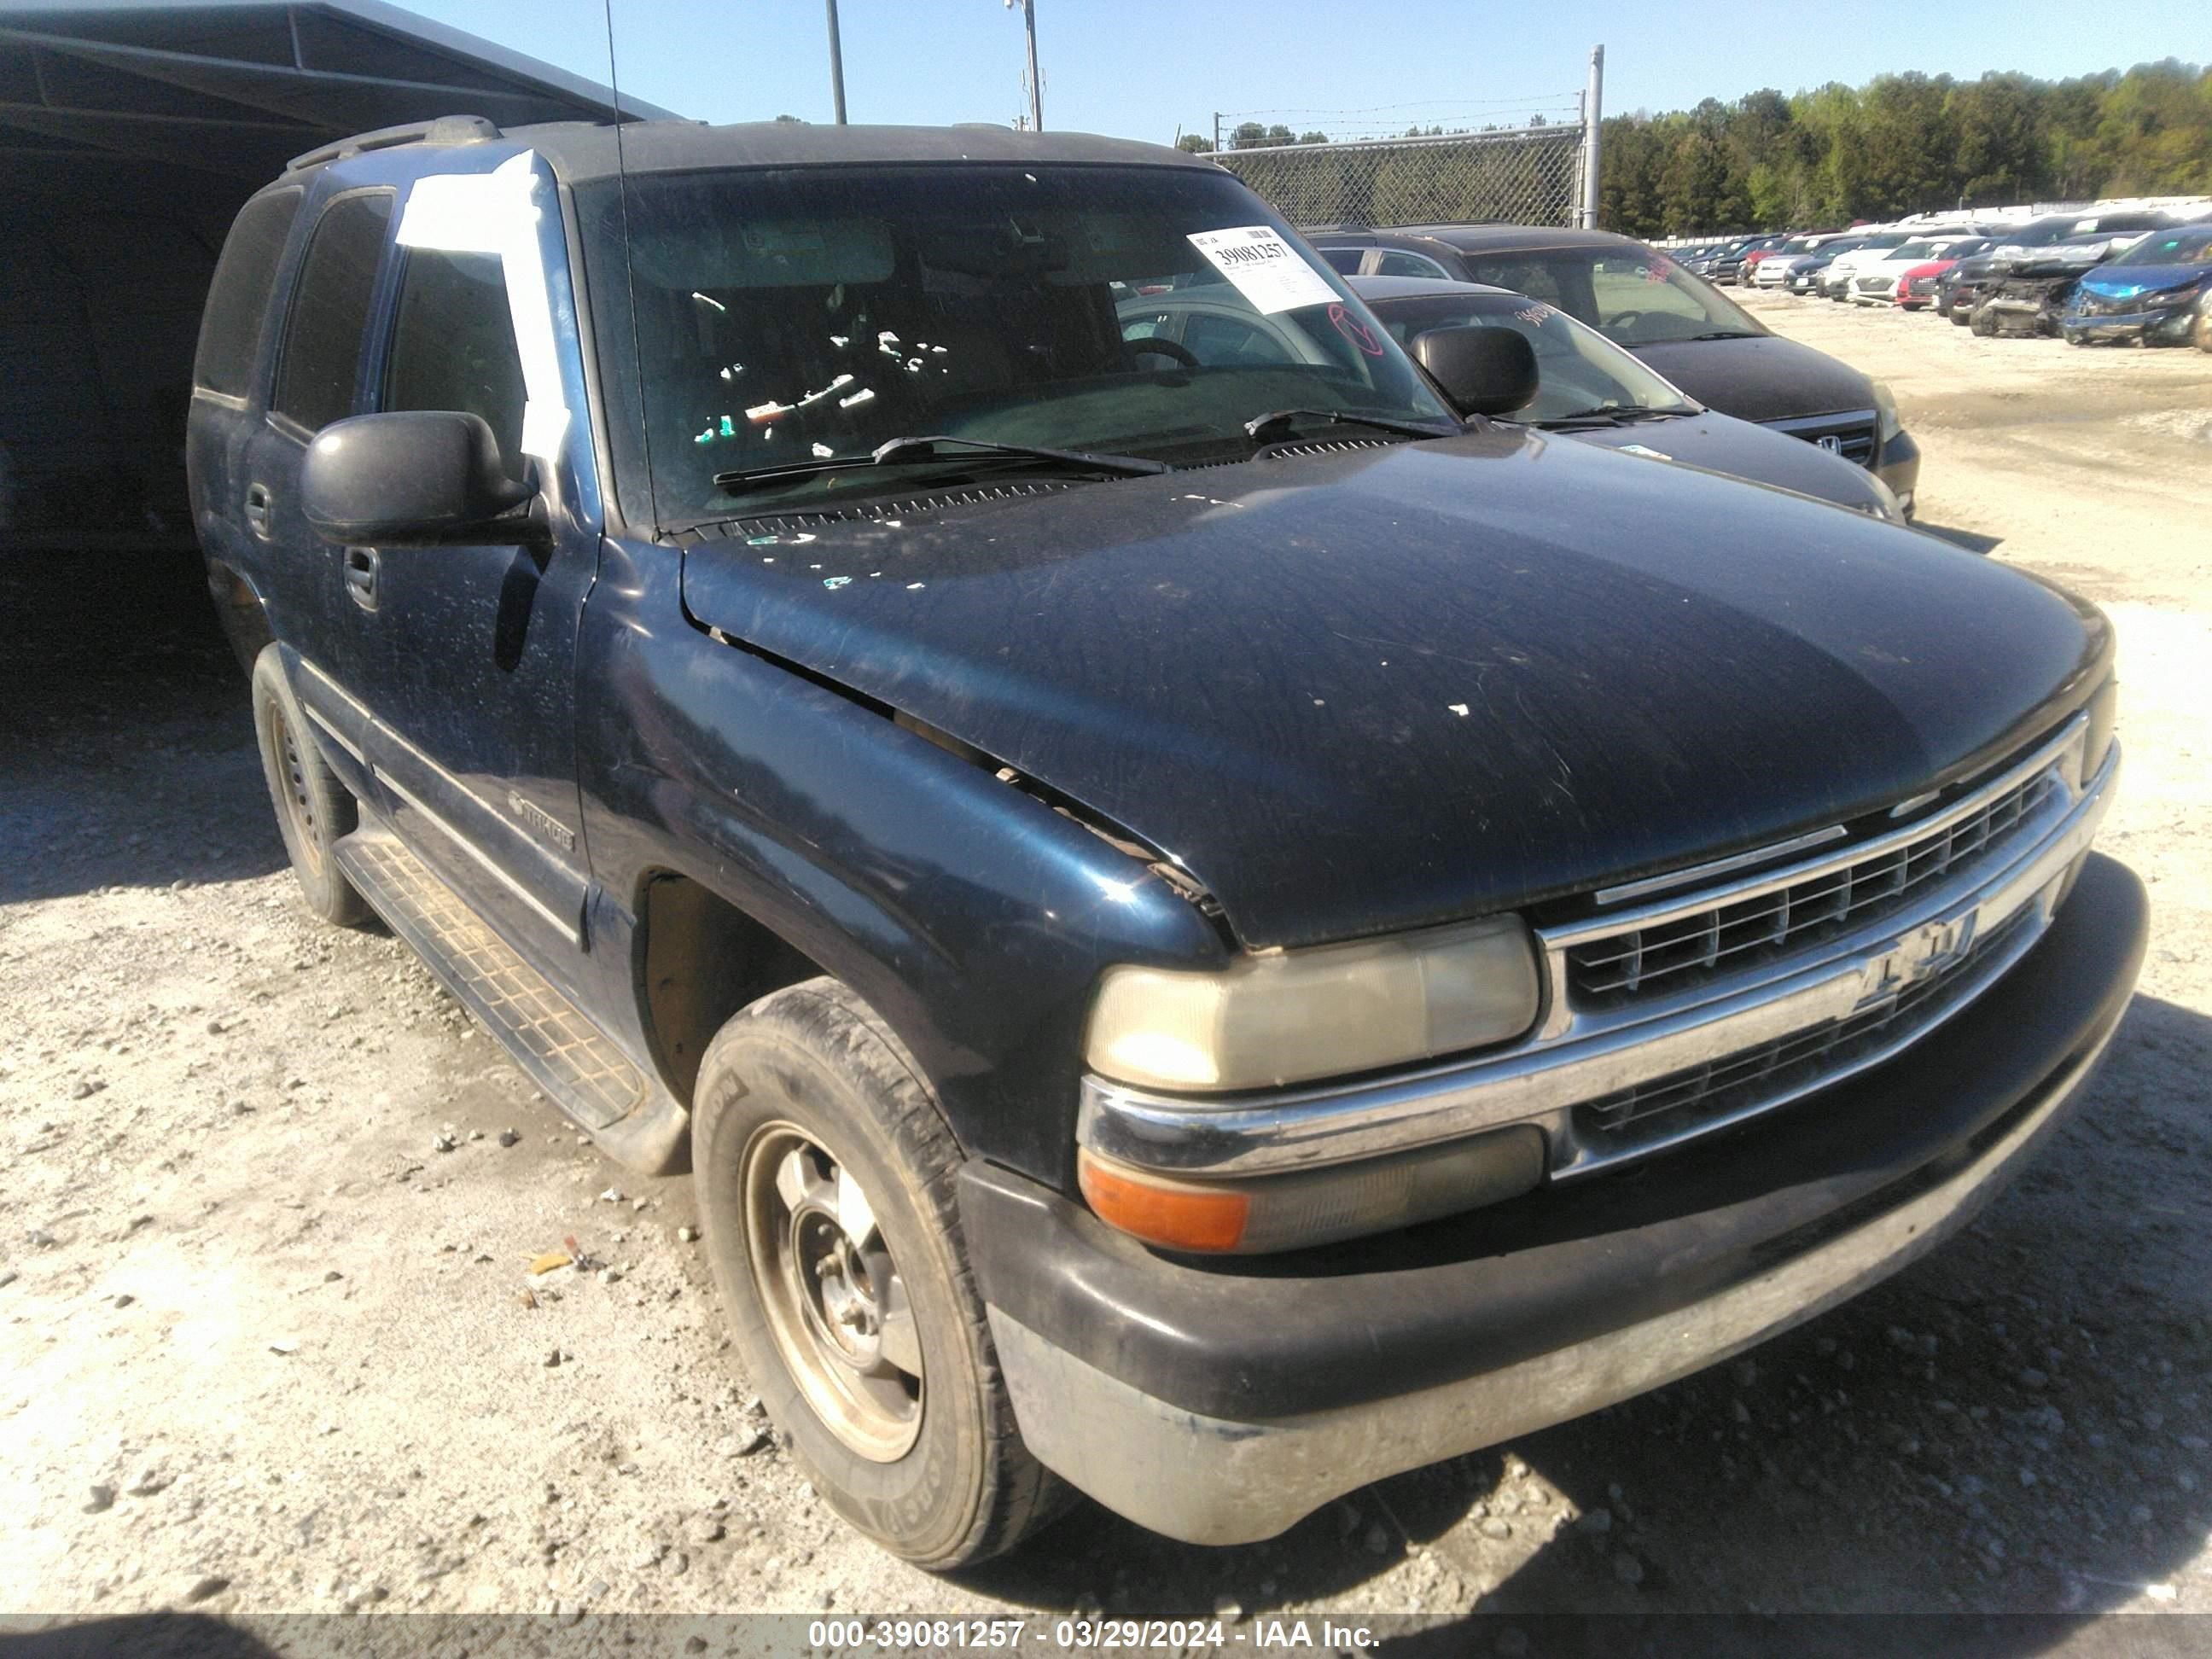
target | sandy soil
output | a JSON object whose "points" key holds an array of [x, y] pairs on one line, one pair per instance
{"points": [[265, 1348]]}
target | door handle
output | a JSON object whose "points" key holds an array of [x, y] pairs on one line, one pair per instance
{"points": [[362, 565], [258, 510]]}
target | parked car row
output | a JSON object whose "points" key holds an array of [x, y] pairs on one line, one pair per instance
{"points": [[2125, 277]]}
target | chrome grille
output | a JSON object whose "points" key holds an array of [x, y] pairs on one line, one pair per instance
{"points": [[1756, 1078], [1621, 967], [1853, 434]]}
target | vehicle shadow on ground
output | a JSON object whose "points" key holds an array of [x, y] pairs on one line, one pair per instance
{"points": [[149, 1636], [1973, 541], [1974, 1440], [127, 756]]}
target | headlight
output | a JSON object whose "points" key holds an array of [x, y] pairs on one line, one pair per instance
{"points": [[2180, 294], [1328, 1011], [1885, 409]]}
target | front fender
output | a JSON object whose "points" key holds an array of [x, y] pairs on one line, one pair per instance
{"points": [[971, 916]]}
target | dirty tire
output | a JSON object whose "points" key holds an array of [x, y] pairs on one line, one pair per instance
{"points": [[814, 1060], [314, 808], [2201, 331]]}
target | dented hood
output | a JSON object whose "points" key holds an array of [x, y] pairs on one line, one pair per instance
{"points": [[1365, 690]]}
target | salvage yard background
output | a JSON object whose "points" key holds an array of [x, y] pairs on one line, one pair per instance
{"points": [[269, 1340]]}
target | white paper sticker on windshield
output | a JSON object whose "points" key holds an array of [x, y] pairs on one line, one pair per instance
{"points": [[1266, 268]]}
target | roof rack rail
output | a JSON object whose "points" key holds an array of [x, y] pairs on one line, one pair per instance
{"points": [[443, 129]]}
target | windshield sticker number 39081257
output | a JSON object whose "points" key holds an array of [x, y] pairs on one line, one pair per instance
{"points": [[1266, 268]]}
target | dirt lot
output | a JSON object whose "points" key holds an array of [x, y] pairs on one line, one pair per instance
{"points": [[264, 1346]]}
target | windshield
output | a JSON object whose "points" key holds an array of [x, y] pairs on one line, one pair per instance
{"points": [[790, 317], [1635, 296], [1914, 251], [2190, 245], [1579, 371]]}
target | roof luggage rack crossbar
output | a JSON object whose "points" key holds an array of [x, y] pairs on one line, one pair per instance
{"points": [[441, 130]]}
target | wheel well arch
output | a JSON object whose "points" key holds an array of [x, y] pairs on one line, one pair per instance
{"points": [[699, 959], [245, 619]]}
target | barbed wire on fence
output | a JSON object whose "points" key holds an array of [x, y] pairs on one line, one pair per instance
{"points": [[1524, 175], [1428, 117]]}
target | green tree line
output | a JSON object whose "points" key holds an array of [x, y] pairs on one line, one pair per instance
{"points": [[1906, 144]]}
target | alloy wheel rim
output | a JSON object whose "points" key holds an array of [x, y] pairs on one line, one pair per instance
{"points": [[836, 1306]]}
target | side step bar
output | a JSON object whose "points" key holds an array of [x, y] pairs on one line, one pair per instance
{"points": [[575, 1063]]}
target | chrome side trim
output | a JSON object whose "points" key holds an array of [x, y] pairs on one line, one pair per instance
{"points": [[1211, 1480], [336, 689], [1544, 1077], [567, 930], [1675, 879], [318, 717], [459, 786]]}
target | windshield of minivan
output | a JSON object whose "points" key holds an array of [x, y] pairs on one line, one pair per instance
{"points": [[2189, 245], [1579, 372], [787, 318], [1634, 296]]}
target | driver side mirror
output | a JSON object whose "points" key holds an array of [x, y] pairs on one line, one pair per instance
{"points": [[421, 477], [1481, 371]]}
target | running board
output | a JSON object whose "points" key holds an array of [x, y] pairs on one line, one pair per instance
{"points": [[576, 1064]]}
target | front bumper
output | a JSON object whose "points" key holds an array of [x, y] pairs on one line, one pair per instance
{"points": [[1898, 466], [2167, 325], [1221, 1402]]}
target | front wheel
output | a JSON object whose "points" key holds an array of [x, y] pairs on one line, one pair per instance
{"points": [[2201, 332], [825, 1176]]}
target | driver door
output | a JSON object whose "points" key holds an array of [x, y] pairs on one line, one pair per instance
{"points": [[471, 675]]}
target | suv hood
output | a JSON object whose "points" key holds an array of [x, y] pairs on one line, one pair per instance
{"points": [[1764, 378], [1357, 692]]}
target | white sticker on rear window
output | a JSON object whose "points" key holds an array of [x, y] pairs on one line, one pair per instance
{"points": [[1266, 268]]}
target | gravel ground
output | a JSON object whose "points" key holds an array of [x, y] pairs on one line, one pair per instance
{"points": [[271, 1342]]}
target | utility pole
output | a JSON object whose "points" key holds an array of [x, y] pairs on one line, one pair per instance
{"points": [[1217, 132], [1593, 102], [1037, 91], [837, 66]]}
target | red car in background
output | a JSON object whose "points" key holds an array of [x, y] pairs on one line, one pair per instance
{"points": [[1916, 287]]}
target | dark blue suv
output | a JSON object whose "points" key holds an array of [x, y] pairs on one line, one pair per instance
{"points": [[1207, 932]]}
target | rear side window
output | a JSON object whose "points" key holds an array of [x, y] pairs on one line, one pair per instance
{"points": [[1393, 263], [321, 359], [230, 326], [453, 345]]}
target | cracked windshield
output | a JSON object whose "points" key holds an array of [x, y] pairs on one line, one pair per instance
{"points": [[795, 331]]}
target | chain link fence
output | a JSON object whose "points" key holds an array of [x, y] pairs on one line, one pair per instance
{"points": [[1518, 175]]}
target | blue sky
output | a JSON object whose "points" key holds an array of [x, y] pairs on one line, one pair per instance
{"points": [[1139, 68]]}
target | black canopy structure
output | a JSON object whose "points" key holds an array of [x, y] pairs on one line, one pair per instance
{"points": [[130, 133]]}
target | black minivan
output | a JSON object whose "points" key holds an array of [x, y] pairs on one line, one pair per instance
{"points": [[1682, 324]]}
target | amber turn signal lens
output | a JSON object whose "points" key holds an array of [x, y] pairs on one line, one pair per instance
{"points": [[1172, 1214]]}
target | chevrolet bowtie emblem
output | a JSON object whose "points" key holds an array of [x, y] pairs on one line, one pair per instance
{"points": [[1925, 951]]}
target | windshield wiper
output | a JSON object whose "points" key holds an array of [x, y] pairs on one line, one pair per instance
{"points": [[1258, 426], [909, 452], [1617, 412], [1726, 334]]}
